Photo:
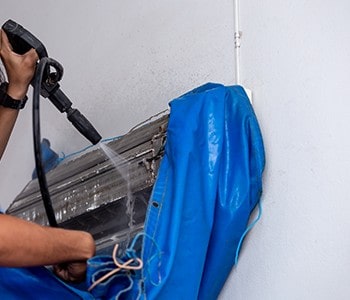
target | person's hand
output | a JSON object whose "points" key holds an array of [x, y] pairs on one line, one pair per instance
{"points": [[74, 272], [19, 68]]}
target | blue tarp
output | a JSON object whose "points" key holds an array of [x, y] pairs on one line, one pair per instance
{"points": [[209, 181], [208, 184]]}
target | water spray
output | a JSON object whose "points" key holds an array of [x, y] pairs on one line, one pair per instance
{"points": [[45, 83]]}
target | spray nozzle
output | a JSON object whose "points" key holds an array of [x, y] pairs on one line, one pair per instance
{"points": [[83, 125], [63, 104]]}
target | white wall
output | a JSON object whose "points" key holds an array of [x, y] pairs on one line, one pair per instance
{"points": [[296, 58], [125, 61]]}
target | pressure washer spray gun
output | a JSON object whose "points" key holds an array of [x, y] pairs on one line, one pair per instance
{"points": [[45, 83], [21, 41]]}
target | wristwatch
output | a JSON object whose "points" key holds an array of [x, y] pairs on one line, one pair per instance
{"points": [[8, 101]]}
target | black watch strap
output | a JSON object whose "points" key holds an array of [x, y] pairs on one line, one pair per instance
{"points": [[8, 101]]}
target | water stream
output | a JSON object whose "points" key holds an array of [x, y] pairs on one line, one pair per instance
{"points": [[123, 167]]}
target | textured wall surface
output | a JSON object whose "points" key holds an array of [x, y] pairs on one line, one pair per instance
{"points": [[124, 61], [296, 59]]}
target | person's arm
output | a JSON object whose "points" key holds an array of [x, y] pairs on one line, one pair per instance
{"points": [[20, 70], [24, 243], [7, 121]]}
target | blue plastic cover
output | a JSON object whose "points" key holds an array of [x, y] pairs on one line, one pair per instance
{"points": [[37, 283], [209, 181], [49, 157]]}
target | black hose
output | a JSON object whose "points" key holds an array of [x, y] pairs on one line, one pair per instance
{"points": [[42, 67]]}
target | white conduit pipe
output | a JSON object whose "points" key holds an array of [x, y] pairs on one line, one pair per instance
{"points": [[237, 40]]}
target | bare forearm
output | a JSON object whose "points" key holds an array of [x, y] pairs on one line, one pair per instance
{"points": [[8, 118], [27, 244]]}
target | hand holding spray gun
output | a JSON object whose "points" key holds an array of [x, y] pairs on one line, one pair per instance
{"points": [[24, 243]]}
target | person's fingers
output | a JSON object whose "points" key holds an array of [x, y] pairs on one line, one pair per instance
{"points": [[60, 272], [5, 46], [5, 43], [70, 272]]}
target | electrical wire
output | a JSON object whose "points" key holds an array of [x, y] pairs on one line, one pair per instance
{"points": [[127, 266]]}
